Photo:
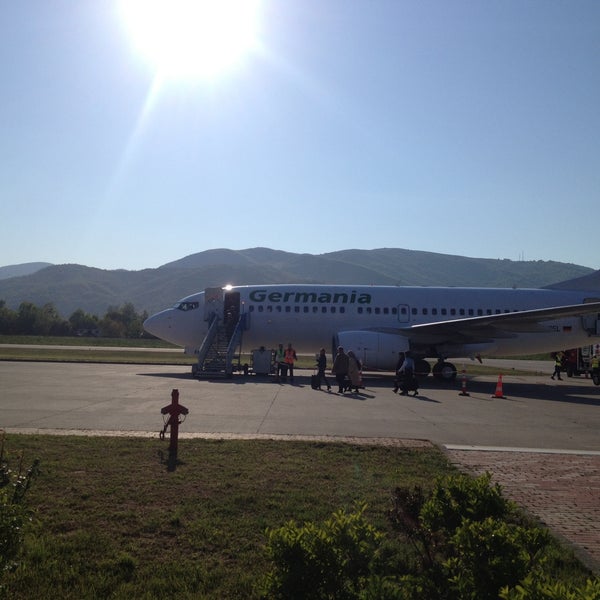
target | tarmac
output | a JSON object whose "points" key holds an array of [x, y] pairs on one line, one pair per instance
{"points": [[537, 437]]}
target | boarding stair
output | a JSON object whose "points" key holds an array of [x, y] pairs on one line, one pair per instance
{"points": [[219, 354]]}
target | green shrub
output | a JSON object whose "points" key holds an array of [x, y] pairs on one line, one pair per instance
{"points": [[321, 561], [459, 497], [536, 587], [487, 555], [13, 486]]}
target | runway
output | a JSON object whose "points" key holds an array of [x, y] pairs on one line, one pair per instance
{"points": [[539, 422]]}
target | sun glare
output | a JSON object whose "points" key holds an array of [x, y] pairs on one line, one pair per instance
{"points": [[188, 39]]}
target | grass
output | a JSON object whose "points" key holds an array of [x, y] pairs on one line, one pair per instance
{"points": [[110, 350], [110, 519], [84, 341]]}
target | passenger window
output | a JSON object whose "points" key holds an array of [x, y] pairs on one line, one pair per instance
{"points": [[261, 309], [461, 312], [360, 310], [434, 311], [306, 309], [479, 312], [424, 311], [377, 310], [288, 309], [471, 312], [444, 311], [269, 308], [323, 309], [315, 309], [342, 309], [296, 309], [453, 311]]}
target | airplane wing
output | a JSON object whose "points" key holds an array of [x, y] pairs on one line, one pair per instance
{"points": [[473, 330]]}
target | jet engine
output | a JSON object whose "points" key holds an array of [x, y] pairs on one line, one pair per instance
{"points": [[374, 349]]}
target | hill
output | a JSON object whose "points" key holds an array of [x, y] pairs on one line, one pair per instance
{"points": [[23, 269], [70, 287]]}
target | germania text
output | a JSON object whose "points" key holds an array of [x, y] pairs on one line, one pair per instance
{"points": [[351, 297]]}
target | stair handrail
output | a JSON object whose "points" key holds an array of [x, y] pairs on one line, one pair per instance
{"points": [[208, 340], [234, 342]]}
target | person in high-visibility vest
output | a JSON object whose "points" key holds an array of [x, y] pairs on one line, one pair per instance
{"points": [[280, 362], [595, 365], [289, 358], [557, 365]]}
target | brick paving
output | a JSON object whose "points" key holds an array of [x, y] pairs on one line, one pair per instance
{"points": [[561, 489]]}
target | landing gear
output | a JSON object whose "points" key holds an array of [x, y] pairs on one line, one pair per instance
{"points": [[444, 371]]}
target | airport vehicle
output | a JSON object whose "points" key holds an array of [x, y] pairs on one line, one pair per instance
{"points": [[577, 361], [377, 323]]}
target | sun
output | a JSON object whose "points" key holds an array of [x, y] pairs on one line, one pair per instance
{"points": [[190, 39]]}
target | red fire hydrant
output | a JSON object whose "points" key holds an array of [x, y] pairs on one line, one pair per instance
{"points": [[174, 410]]}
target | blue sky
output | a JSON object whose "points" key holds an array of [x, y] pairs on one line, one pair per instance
{"points": [[463, 127]]}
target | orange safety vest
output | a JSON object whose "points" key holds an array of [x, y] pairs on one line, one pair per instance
{"points": [[290, 356]]}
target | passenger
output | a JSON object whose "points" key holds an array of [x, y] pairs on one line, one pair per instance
{"points": [[340, 369], [399, 364], [407, 371], [558, 359], [321, 366], [289, 358], [354, 368]]}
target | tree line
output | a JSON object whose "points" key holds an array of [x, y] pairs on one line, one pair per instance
{"points": [[118, 322]]}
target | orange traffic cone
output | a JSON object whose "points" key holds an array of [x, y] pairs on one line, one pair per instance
{"points": [[499, 393]]}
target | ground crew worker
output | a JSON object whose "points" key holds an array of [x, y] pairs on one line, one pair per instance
{"points": [[281, 365], [557, 365], [595, 365], [289, 358]]}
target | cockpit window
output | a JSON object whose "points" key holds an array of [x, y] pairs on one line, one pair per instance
{"points": [[187, 305]]}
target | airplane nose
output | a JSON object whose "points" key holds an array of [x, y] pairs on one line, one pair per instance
{"points": [[159, 324]]}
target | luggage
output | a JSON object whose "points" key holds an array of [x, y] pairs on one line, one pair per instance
{"points": [[410, 384], [407, 383], [315, 384]]}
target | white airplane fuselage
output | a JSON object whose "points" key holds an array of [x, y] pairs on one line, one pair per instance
{"points": [[378, 322]]}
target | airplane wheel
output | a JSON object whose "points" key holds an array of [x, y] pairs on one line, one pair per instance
{"points": [[445, 371]]}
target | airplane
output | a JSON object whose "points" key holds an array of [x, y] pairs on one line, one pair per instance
{"points": [[380, 322]]}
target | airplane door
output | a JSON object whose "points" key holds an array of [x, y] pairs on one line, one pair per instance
{"points": [[231, 308], [403, 313], [213, 302]]}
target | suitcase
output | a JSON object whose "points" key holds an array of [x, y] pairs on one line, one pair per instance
{"points": [[315, 384], [407, 383]]}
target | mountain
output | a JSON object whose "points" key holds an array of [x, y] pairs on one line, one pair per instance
{"points": [[70, 287], [24, 269]]}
